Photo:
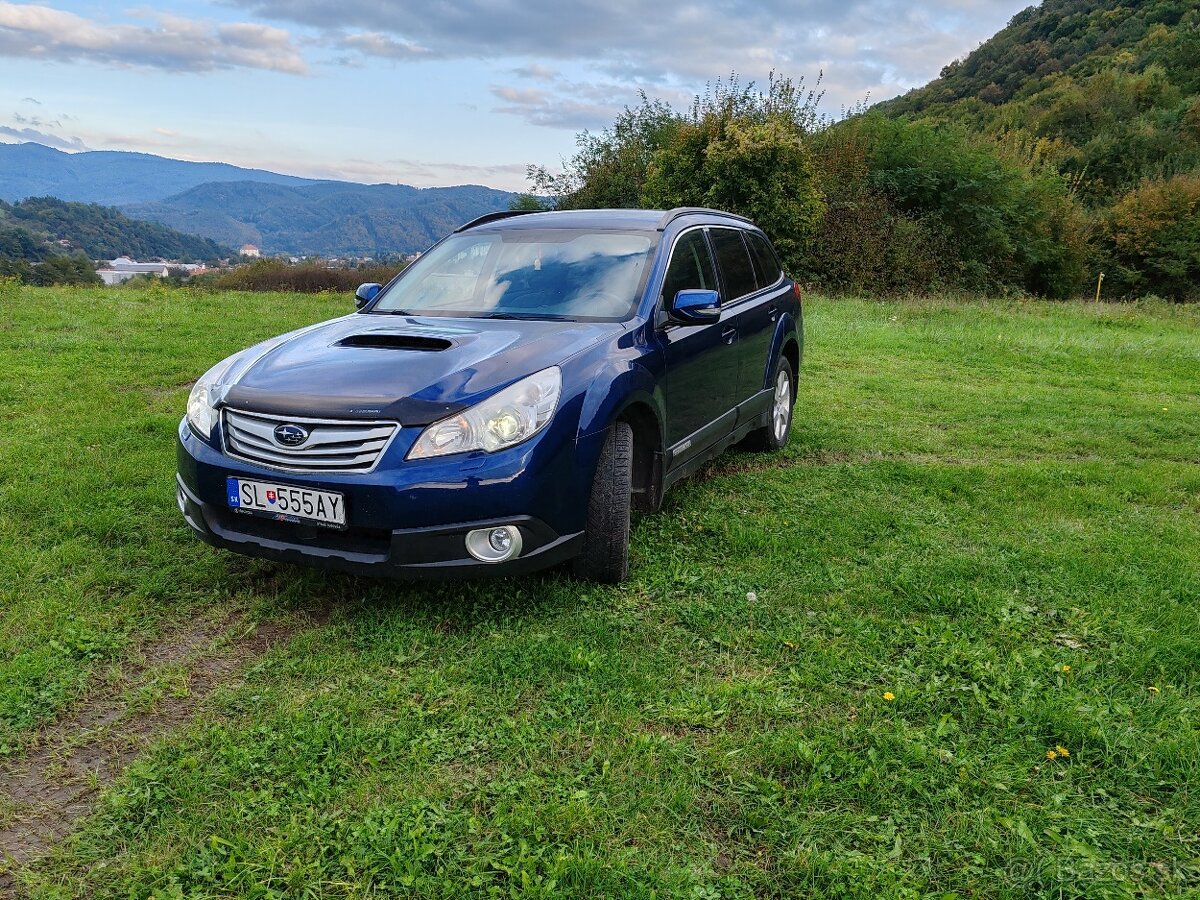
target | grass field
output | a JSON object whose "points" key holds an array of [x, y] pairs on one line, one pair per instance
{"points": [[972, 667]]}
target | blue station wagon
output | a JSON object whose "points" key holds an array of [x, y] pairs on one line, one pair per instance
{"points": [[504, 403]]}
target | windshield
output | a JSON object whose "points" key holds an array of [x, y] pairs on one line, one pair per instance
{"points": [[525, 273]]}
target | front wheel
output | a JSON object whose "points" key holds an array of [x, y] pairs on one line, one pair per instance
{"points": [[605, 556], [774, 435]]}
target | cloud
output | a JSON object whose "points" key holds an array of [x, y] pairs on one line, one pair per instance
{"points": [[419, 173], [537, 72], [36, 121], [22, 135], [170, 43], [372, 43], [878, 45], [32, 100]]}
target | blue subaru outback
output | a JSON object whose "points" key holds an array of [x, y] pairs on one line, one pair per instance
{"points": [[504, 403]]}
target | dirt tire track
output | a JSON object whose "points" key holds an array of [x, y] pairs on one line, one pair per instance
{"points": [[58, 780]]}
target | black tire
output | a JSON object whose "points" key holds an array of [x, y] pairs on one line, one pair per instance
{"points": [[770, 437], [605, 556]]}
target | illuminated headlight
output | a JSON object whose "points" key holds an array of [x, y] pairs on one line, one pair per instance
{"points": [[508, 417], [201, 405]]}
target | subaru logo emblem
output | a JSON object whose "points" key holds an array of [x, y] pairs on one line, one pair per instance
{"points": [[290, 435]]}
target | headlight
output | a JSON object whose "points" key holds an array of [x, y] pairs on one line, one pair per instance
{"points": [[201, 405], [508, 417]]}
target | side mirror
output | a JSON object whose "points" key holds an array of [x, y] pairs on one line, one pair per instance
{"points": [[695, 307], [366, 293]]}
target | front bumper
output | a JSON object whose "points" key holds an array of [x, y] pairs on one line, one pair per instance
{"points": [[403, 521]]}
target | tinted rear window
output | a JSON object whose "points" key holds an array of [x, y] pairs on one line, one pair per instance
{"points": [[734, 261], [765, 261]]}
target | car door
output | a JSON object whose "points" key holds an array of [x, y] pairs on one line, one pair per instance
{"points": [[744, 303], [701, 360], [756, 318]]}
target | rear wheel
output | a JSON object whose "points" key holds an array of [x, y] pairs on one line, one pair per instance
{"points": [[778, 429], [605, 555]]}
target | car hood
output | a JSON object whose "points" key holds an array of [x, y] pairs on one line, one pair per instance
{"points": [[411, 369]]}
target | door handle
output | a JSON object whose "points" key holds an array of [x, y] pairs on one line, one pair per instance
{"points": [[773, 312], [729, 334]]}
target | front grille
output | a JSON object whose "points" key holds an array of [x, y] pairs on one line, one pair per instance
{"points": [[331, 446]]}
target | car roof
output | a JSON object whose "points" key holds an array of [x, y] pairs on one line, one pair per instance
{"points": [[633, 219]]}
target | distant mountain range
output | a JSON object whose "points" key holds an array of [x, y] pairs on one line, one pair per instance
{"points": [[112, 178], [235, 206], [327, 218]]}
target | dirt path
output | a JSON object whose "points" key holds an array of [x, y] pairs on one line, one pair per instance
{"points": [[45, 791]]}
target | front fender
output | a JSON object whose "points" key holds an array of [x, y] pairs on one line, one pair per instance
{"points": [[620, 377]]}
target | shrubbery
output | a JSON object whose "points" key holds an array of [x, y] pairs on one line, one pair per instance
{"points": [[308, 277], [1152, 237], [868, 204]]}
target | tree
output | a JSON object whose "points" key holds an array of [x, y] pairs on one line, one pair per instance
{"points": [[529, 203], [62, 268], [1153, 239]]}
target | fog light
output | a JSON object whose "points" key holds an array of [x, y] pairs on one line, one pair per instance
{"points": [[500, 539], [181, 500], [494, 545]]}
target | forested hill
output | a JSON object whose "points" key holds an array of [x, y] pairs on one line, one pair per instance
{"points": [[42, 226], [1107, 92], [330, 218]]}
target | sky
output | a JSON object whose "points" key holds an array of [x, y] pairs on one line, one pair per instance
{"points": [[437, 92]]}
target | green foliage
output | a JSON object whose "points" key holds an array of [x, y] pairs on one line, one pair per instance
{"points": [[744, 153], [1111, 88], [311, 277], [736, 149], [529, 203], [608, 170], [954, 209], [1152, 237], [63, 268], [96, 231], [325, 219]]}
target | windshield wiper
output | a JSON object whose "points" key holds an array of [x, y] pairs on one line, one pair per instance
{"points": [[533, 317]]}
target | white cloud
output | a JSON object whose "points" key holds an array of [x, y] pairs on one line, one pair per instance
{"points": [[882, 46], [22, 135], [171, 43]]}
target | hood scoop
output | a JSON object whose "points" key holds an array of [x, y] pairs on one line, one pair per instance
{"points": [[382, 340]]}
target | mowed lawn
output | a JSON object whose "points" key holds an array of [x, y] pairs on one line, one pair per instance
{"points": [[971, 667]]}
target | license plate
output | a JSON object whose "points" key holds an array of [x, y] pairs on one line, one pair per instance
{"points": [[286, 503]]}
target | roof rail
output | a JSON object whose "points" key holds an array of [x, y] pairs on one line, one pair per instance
{"points": [[671, 215], [494, 217]]}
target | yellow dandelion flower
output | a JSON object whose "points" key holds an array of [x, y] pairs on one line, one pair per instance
{"points": [[1050, 754], [1066, 668], [1062, 751], [1152, 689], [889, 696]]}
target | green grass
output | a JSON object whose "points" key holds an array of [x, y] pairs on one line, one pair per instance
{"points": [[976, 496]]}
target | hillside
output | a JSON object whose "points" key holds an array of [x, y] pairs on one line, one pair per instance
{"points": [[1108, 93], [112, 178], [326, 218], [34, 229]]}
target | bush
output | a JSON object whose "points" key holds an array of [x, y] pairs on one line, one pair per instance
{"points": [[305, 278], [729, 158], [736, 149], [928, 203], [61, 268], [1152, 239]]}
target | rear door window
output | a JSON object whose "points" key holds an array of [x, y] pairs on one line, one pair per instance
{"points": [[734, 260], [766, 264]]}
